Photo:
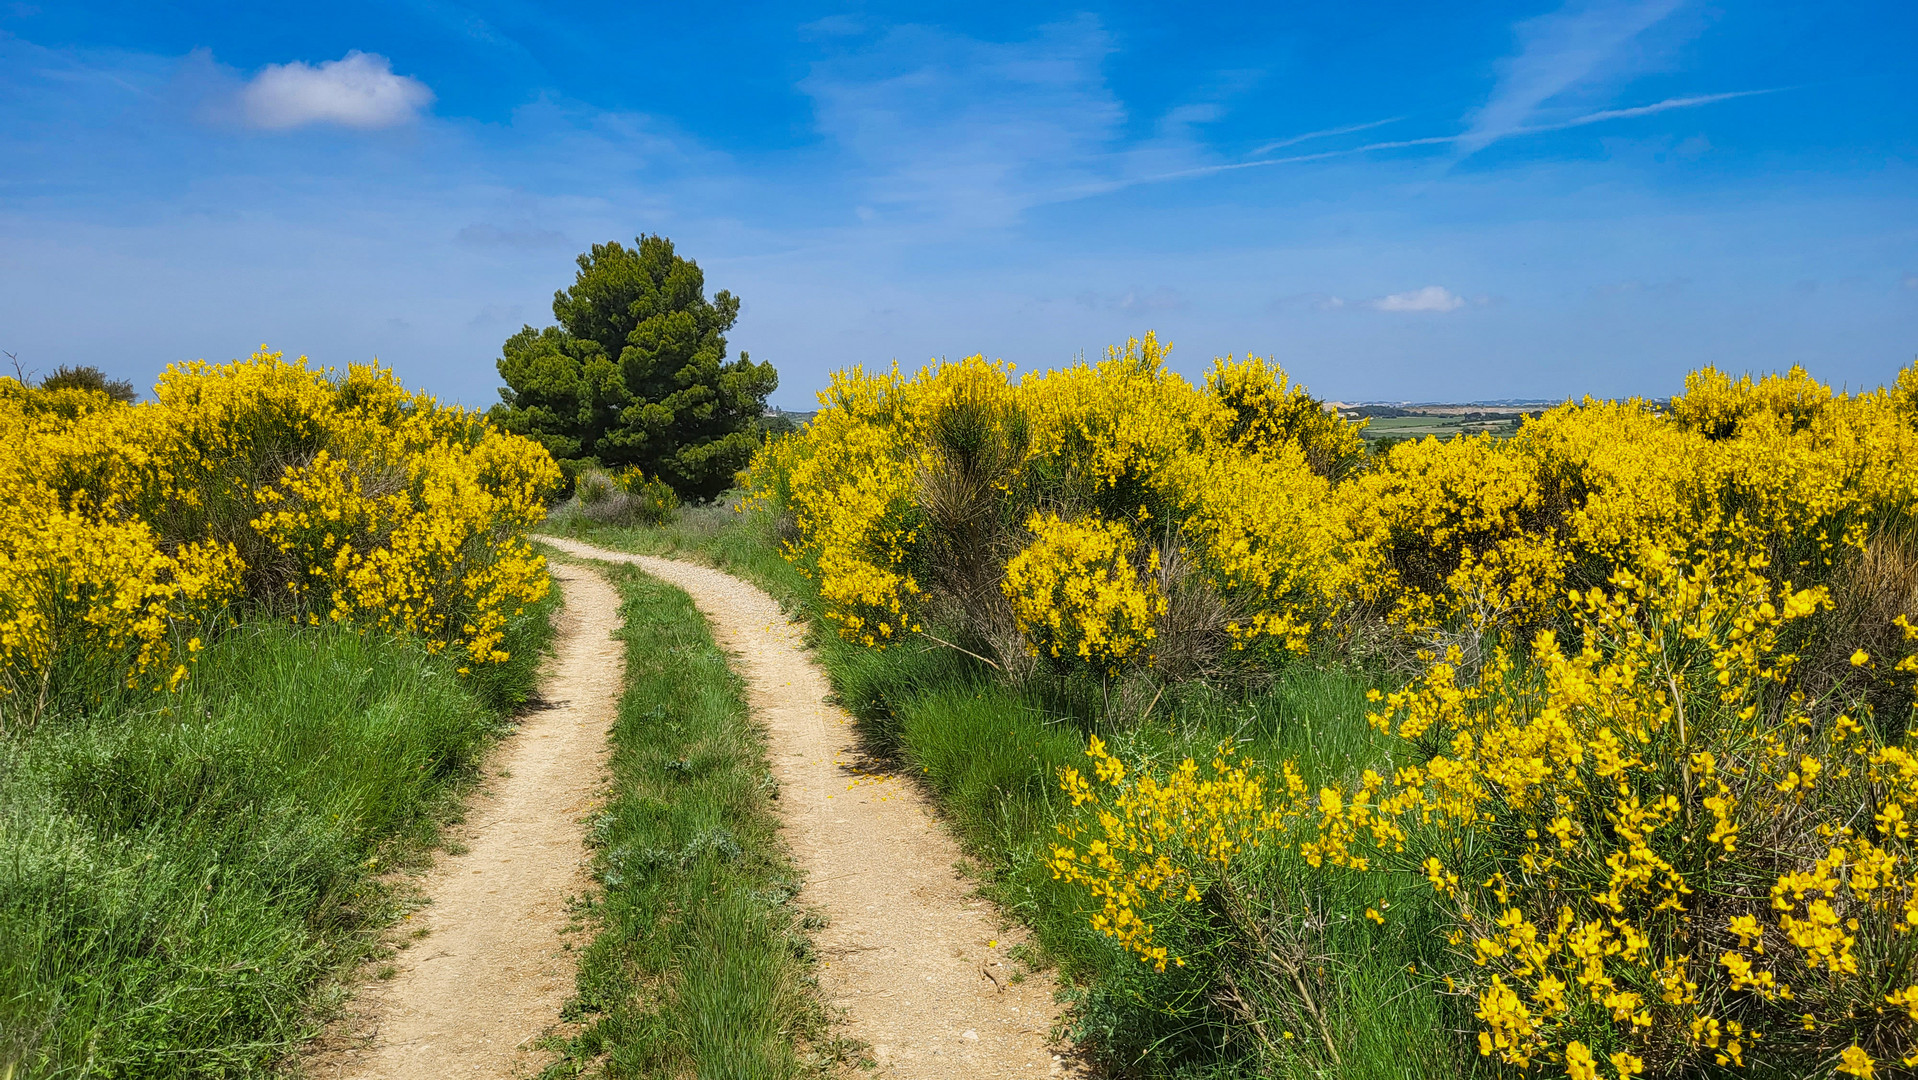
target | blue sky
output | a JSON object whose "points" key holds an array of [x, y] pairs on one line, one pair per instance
{"points": [[1397, 201]]}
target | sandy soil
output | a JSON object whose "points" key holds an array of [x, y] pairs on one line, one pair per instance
{"points": [[916, 961], [491, 973]]}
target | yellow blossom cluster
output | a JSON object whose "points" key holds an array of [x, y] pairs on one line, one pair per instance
{"points": [[1450, 530], [1481, 533], [1655, 842], [123, 527], [1268, 410], [895, 474], [1076, 592], [851, 488], [1163, 839]]}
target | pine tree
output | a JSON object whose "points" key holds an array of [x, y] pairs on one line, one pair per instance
{"points": [[636, 373]]}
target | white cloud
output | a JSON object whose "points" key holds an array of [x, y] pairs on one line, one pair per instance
{"points": [[357, 91], [1568, 48], [1430, 298], [949, 130]]}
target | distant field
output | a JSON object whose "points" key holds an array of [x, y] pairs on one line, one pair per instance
{"points": [[1417, 422], [1417, 427]]}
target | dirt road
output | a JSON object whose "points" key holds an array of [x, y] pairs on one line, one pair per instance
{"points": [[916, 961]]}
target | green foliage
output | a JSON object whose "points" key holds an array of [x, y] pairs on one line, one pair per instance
{"points": [[653, 500], [636, 374], [87, 377], [180, 871], [698, 968]]}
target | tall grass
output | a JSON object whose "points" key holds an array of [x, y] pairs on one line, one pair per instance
{"points": [[990, 751], [179, 872], [698, 967]]}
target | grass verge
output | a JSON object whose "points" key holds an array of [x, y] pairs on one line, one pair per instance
{"points": [[699, 966], [180, 872], [991, 754]]}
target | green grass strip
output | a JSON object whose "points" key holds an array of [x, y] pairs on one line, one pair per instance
{"points": [[698, 967]]}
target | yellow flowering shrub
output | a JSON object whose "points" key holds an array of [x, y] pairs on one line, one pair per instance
{"points": [[1077, 594], [1618, 477], [73, 586], [1269, 411], [335, 496], [899, 485], [1484, 534], [1654, 771], [1267, 500], [1449, 531], [852, 504], [1258, 524], [1653, 774], [1163, 839], [1716, 407], [655, 499], [1595, 821], [1649, 844], [1102, 434], [81, 579]]}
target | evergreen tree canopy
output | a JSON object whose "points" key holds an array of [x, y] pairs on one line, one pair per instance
{"points": [[88, 377], [636, 374]]}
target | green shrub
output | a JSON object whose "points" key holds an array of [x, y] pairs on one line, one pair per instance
{"points": [[628, 497]]}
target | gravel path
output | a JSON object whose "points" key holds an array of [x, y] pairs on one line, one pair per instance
{"points": [[915, 960], [490, 974]]}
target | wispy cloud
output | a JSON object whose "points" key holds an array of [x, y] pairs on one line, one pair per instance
{"points": [[1601, 116], [359, 90], [1558, 52], [1668, 104], [1435, 298], [971, 131], [1326, 134], [952, 129]]}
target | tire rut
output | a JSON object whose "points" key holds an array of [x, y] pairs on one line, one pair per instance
{"points": [[490, 974]]}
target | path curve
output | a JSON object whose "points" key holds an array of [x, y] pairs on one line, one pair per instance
{"points": [[916, 961], [490, 975]]}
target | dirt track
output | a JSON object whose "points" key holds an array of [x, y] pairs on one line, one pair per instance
{"points": [[917, 963], [491, 973]]}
